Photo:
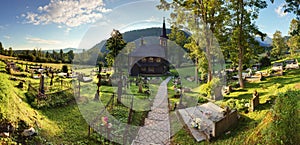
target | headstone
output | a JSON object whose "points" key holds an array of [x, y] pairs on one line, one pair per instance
{"points": [[42, 87], [29, 132], [254, 102], [119, 90]]}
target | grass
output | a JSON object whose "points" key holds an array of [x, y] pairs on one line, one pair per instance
{"points": [[66, 125], [248, 129], [53, 125]]}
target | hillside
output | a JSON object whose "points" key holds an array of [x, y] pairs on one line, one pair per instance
{"points": [[267, 42], [130, 36]]}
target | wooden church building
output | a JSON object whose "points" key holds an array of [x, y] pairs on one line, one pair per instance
{"points": [[150, 59]]}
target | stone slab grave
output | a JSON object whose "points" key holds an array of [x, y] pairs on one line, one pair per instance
{"points": [[211, 116]]}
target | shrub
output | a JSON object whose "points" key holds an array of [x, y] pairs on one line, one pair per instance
{"points": [[285, 126], [202, 100], [206, 89], [265, 61], [65, 68]]}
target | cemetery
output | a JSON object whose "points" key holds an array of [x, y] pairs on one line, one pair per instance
{"points": [[207, 121]]}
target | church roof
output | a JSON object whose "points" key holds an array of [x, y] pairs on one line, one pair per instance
{"points": [[145, 50]]}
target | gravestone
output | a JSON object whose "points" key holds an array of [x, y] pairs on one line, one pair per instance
{"points": [[217, 93], [254, 102]]}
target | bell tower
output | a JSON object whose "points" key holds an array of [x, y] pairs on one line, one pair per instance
{"points": [[164, 37]]}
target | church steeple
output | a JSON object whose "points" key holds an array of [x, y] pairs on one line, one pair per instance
{"points": [[164, 38], [164, 30]]}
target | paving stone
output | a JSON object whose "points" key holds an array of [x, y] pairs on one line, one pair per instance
{"points": [[157, 125], [153, 136]]}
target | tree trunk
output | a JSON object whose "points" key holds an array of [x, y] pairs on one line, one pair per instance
{"points": [[208, 56], [241, 47], [196, 72]]}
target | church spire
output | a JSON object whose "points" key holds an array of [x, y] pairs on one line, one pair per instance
{"points": [[164, 30]]}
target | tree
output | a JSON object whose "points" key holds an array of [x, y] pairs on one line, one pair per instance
{"points": [[200, 16], [294, 44], [54, 55], [47, 55], [1, 48], [114, 44], [34, 52], [179, 37], [198, 55], [243, 30], [294, 41], [70, 55], [278, 45], [65, 68], [61, 55], [293, 6], [10, 51]]}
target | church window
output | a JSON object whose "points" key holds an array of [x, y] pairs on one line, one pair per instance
{"points": [[158, 60], [150, 59], [151, 69]]}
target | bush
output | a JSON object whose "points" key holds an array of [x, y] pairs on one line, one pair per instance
{"points": [[265, 61], [53, 100], [238, 104], [285, 126], [65, 68], [202, 100], [206, 89]]}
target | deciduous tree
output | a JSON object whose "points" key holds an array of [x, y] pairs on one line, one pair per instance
{"points": [[204, 19], [114, 44], [278, 44], [243, 30]]}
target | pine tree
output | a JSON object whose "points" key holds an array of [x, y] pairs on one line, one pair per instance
{"points": [[1, 48]]}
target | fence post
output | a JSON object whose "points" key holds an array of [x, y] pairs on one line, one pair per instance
{"points": [[130, 112], [28, 87], [89, 132], [113, 99]]}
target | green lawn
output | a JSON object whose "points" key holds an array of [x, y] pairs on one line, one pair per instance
{"points": [[66, 125], [250, 125]]}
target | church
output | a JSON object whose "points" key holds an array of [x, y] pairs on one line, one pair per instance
{"points": [[150, 59]]}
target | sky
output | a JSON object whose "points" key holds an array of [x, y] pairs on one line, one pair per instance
{"points": [[58, 24]]}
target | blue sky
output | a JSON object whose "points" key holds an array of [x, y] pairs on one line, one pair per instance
{"points": [[57, 24]]}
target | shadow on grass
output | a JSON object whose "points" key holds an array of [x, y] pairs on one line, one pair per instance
{"points": [[69, 120], [249, 95], [244, 123]]}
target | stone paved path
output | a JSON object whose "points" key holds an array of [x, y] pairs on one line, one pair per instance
{"points": [[157, 124]]}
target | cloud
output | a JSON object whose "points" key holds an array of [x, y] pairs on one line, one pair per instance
{"points": [[280, 12], [153, 19], [6, 37], [71, 13], [42, 41]]}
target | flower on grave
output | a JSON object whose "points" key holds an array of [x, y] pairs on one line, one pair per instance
{"points": [[196, 123], [104, 120], [198, 120]]}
